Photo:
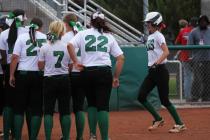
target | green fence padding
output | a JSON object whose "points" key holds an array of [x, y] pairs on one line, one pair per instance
{"points": [[133, 74]]}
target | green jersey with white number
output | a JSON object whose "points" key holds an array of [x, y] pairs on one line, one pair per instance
{"points": [[96, 47], [4, 44], [27, 52], [56, 58]]}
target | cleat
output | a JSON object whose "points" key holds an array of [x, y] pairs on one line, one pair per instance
{"points": [[92, 137], [156, 124], [178, 128]]}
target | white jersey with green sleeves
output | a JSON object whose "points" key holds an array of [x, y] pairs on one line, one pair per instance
{"points": [[96, 47], [154, 49], [56, 58], [66, 38], [4, 44], [1, 71], [27, 52]]}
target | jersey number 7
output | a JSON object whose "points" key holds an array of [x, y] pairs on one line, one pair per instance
{"points": [[60, 55]]}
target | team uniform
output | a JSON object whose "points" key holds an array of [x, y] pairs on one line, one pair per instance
{"points": [[1, 89], [56, 84], [158, 75], [9, 91], [76, 81], [154, 50], [78, 94], [29, 94], [95, 56]]}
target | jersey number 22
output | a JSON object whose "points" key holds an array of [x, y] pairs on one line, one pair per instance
{"points": [[91, 40]]}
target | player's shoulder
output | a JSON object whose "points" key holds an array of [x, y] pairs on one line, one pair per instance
{"points": [[57, 44], [23, 37], [159, 34], [22, 30], [41, 35], [109, 35], [5, 33], [62, 44], [67, 36], [87, 31], [45, 46]]}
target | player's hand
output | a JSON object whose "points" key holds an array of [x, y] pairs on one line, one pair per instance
{"points": [[79, 67], [12, 81], [70, 67], [115, 82]]}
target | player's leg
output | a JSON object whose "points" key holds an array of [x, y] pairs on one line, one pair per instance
{"points": [[163, 90], [146, 87], [91, 99], [49, 95], [8, 116], [63, 97], [1, 99], [35, 105], [28, 121], [103, 88], [20, 95], [78, 96]]}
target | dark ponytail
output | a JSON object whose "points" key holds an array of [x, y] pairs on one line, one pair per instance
{"points": [[12, 37], [99, 23], [13, 31], [35, 24]]}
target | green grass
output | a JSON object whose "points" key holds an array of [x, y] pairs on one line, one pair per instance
{"points": [[172, 86]]}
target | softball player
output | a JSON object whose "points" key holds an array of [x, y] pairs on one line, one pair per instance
{"points": [[3, 26], [78, 94], [28, 94], [158, 74], [96, 45], [1, 88], [54, 59], [1, 93], [7, 41]]}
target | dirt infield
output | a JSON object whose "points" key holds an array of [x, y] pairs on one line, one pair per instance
{"points": [[132, 125]]}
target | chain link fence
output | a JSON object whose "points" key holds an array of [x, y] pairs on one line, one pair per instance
{"points": [[190, 74]]}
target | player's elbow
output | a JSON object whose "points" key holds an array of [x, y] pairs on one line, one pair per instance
{"points": [[121, 58]]}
